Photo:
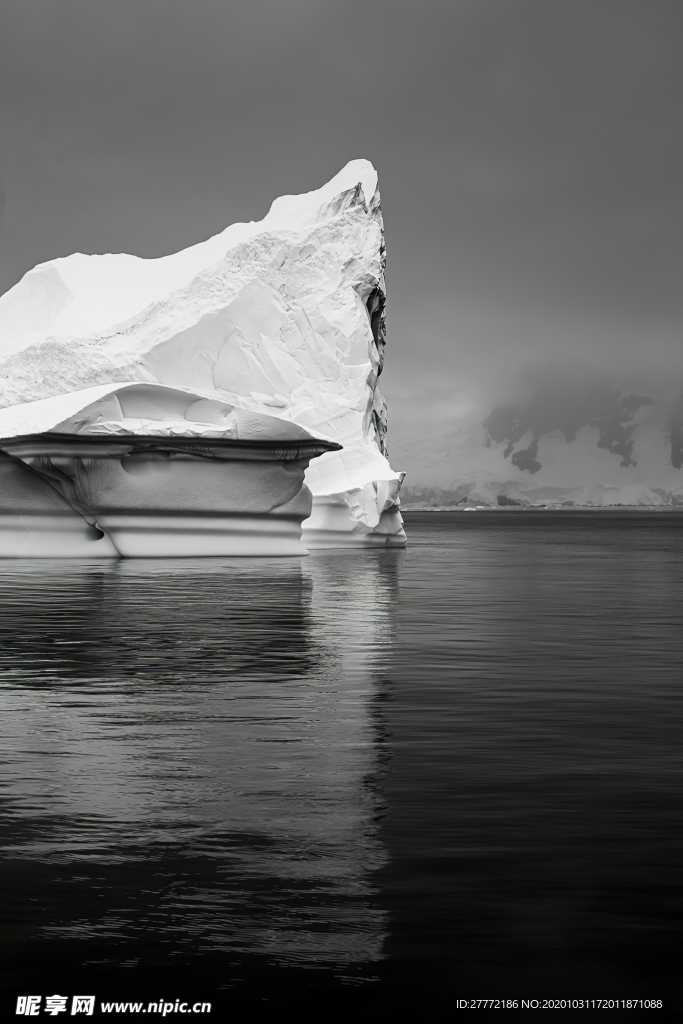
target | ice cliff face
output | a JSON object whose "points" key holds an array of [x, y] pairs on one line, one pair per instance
{"points": [[281, 319], [597, 444]]}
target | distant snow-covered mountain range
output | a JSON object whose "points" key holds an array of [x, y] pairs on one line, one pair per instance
{"points": [[595, 445]]}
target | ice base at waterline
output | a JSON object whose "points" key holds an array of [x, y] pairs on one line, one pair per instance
{"points": [[86, 486]]}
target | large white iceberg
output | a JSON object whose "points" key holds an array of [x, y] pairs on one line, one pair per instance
{"points": [[269, 334]]}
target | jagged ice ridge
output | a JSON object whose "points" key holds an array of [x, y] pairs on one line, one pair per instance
{"points": [[161, 386]]}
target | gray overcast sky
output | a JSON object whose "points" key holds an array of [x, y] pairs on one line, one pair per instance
{"points": [[530, 155]]}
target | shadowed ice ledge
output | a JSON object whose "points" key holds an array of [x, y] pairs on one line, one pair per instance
{"points": [[103, 474]]}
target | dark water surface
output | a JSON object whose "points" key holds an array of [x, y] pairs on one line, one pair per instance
{"points": [[352, 780]]}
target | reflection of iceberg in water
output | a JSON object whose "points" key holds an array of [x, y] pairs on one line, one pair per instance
{"points": [[198, 743]]}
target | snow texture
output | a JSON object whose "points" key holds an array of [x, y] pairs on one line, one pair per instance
{"points": [[275, 328]]}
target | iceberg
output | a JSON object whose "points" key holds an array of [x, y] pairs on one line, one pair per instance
{"points": [[220, 400], [146, 470]]}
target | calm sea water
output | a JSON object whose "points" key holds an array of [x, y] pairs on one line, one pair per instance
{"points": [[352, 780]]}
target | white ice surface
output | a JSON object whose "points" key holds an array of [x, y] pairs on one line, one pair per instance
{"points": [[149, 409], [270, 317]]}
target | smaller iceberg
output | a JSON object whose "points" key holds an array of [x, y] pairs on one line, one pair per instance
{"points": [[143, 470]]}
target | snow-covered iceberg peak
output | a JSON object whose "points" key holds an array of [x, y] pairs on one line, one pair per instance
{"points": [[283, 318]]}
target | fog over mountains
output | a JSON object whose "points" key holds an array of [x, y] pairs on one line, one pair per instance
{"points": [[575, 438]]}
